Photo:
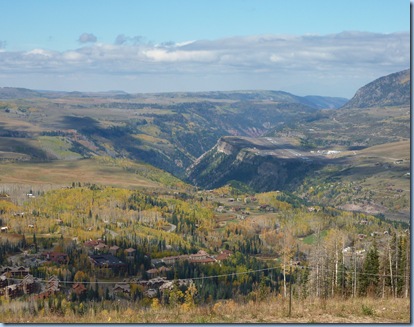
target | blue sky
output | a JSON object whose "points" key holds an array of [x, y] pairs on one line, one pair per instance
{"points": [[326, 47]]}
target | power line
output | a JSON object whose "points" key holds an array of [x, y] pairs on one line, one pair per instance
{"points": [[231, 274]]}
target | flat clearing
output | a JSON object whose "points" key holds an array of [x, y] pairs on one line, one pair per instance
{"points": [[66, 172]]}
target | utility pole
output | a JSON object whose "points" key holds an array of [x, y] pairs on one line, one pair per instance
{"points": [[290, 289]]}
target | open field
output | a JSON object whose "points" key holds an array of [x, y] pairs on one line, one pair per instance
{"points": [[273, 310], [65, 172]]}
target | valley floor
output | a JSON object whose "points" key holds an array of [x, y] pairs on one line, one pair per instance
{"points": [[272, 310]]}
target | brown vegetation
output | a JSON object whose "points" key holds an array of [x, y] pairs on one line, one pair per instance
{"points": [[272, 310]]}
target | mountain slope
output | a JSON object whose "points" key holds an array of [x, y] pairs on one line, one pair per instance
{"points": [[167, 130], [390, 90], [263, 164], [331, 157]]}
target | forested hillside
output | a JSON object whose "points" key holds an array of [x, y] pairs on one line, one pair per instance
{"points": [[186, 249]]}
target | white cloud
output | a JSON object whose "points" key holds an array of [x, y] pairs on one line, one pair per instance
{"points": [[265, 61], [162, 55], [40, 53]]}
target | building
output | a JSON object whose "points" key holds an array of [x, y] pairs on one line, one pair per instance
{"points": [[11, 291], [154, 272], [223, 255], [201, 257], [56, 257], [130, 252], [15, 271], [122, 287], [106, 261], [114, 249], [78, 288], [100, 247], [3, 281], [28, 284]]}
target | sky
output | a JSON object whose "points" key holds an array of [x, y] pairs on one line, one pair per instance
{"points": [[305, 47]]}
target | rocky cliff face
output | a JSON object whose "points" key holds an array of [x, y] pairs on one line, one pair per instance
{"points": [[235, 158], [390, 90]]}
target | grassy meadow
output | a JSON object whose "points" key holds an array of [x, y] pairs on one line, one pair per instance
{"points": [[271, 310]]}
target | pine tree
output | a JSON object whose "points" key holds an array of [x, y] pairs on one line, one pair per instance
{"points": [[369, 278]]}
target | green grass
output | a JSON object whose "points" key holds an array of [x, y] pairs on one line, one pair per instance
{"points": [[311, 239], [59, 147]]}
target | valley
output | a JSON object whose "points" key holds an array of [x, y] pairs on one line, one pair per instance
{"points": [[165, 205]]}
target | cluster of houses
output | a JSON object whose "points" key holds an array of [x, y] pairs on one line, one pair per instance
{"points": [[201, 257], [100, 246], [8, 286], [151, 287], [17, 281], [10, 289]]}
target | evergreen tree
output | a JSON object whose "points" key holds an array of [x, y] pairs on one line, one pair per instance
{"points": [[369, 278]]}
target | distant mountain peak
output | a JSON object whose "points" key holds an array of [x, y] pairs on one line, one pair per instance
{"points": [[390, 90]]}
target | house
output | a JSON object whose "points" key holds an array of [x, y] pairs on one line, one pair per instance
{"points": [[154, 272], [163, 270], [180, 283], [170, 260], [156, 282], [106, 261], [3, 281], [92, 243], [100, 247], [122, 287], [11, 291], [224, 255], [52, 284], [78, 288], [114, 249], [56, 257], [130, 253], [4, 229], [201, 257], [28, 284], [204, 261], [17, 271], [52, 287]]}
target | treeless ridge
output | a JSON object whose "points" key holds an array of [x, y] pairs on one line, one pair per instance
{"points": [[66, 172]]}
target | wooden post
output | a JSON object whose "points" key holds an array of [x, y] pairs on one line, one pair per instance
{"points": [[290, 290]]}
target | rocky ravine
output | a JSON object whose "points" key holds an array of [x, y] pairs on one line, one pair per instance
{"points": [[251, 162]]}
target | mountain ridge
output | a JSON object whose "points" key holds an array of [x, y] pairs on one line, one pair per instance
{"points": [[389, 90], [314, 101]]}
